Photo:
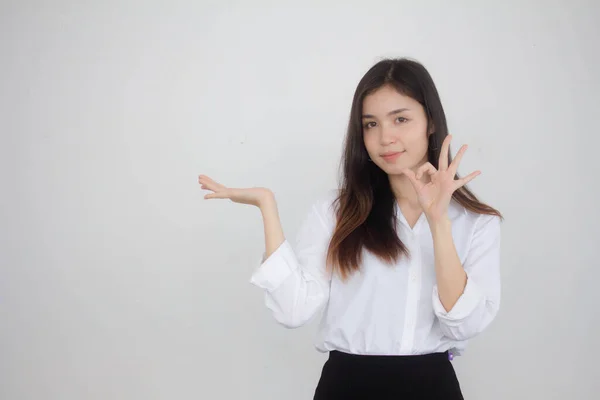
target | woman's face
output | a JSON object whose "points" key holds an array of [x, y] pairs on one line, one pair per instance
{"points": [[394, 130]]}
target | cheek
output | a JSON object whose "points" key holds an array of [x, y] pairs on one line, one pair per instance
{"points": [[417, 141], [370, 143], [416, 144]]}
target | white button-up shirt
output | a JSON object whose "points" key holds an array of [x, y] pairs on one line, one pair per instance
{"points": [[383, 309]]}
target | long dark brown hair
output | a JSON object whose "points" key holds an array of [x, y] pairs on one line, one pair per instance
{"points": [[365, 207]]}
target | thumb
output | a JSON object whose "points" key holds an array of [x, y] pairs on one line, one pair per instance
{"points": [[216, 195], [412, 178]]}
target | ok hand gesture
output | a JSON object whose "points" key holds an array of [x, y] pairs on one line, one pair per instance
{"points": [[434, 196]]}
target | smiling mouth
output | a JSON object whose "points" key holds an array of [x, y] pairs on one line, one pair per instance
{"points": [[391, 156]]}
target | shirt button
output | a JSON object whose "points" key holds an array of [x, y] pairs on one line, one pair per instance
{"points": [[413, 277]]}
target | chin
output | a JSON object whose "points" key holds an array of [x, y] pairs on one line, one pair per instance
{"points": [[393, 169]]}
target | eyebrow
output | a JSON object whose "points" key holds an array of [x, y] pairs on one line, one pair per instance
{"points": [[398, 111]]}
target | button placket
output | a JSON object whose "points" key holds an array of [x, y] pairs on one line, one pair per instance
{"points": [[412, 296]]}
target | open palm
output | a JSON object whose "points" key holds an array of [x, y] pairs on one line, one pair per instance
{"points": [[252, 196], [434, 196]]}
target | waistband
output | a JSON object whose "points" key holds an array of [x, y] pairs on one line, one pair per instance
{"points": [[336, 355]]}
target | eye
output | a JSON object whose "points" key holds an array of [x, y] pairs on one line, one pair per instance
{"points": [[369, 124], [401, 119]]}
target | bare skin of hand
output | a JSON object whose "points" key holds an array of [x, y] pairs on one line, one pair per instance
{"points": [[435, 195], [252, 196]]}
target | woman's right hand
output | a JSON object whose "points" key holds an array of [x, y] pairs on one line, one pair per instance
{"points": [[253, 196]]}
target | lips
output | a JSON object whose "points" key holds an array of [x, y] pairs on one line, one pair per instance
{"points": [[391, 155]]}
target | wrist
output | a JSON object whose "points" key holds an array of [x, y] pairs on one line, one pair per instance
{"points": [[440, 225]]}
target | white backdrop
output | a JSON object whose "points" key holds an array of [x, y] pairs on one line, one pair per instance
{"points": [[118, 281]]}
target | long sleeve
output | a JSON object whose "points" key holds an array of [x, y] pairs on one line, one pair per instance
{"points": [[480, 300], [294, 278]]}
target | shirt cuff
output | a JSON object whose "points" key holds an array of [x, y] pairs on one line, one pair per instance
{"points": [[464, 306], [275, 269]]}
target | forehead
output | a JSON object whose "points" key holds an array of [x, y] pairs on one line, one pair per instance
{"points": [[386, 99]]}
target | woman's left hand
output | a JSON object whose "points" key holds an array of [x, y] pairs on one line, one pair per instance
{"points": [[435, 196]]}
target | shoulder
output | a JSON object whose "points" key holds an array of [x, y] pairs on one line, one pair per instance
{"points": [[472, 221], [326, 202], [323, 207]]}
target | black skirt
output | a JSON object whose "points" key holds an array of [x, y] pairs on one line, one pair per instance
{"points": [[348, 376]]}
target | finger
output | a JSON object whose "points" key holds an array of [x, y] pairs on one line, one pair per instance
{"points": [[463, 181], [205, 180], [218, 195], [456, 162], [210, 184], [413, 179], [204, 187], [445, 153], [427, 167]]}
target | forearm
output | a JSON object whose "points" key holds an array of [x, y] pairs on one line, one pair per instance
{"points": [[294, 279], [273, 230], [450, 274]]}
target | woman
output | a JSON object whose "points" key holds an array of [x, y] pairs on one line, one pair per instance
{"points": [[403, 259]]}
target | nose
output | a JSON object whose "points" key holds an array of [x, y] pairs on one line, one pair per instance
{"points": [[387, 136]]}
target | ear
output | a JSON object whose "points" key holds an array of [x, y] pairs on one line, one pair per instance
{"points": [[430, 128]]}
